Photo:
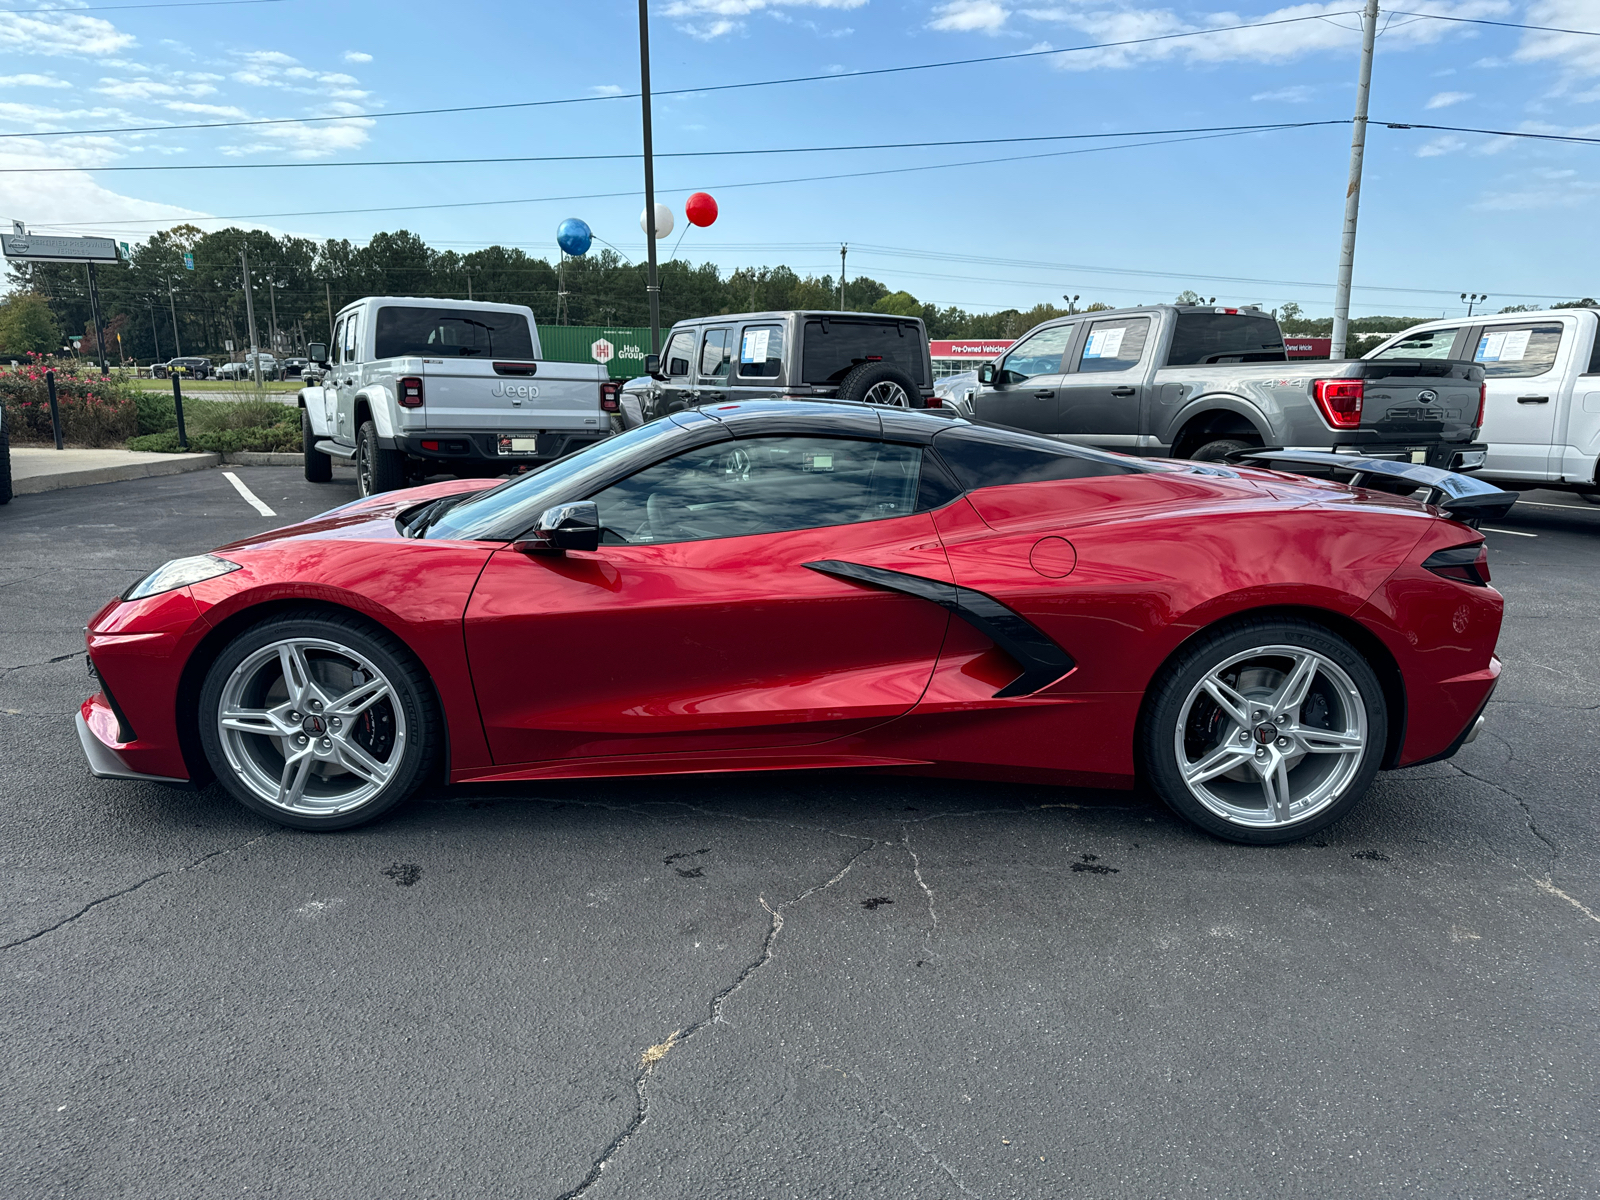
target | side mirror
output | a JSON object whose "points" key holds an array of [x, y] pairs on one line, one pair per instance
{"points": [[652, 365], [986, 374], [574, 526], [317, 352]]}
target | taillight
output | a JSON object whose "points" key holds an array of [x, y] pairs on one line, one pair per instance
{"points": [[410, 395], [611, 396], [1465, 564], [1340, 401], [1483, 398]]}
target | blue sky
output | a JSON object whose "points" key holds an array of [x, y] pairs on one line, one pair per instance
{"points": [[1442, 213]]}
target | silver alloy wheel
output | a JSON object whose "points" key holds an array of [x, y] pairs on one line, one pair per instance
{"points": [[311, 726], [888, 392], [1271, 736], [363, 468]]}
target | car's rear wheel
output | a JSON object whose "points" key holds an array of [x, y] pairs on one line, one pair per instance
{"points": [[1218, 450], [319, 467], [317, 721], [880, 383], [1264, 731], [377, 469]]}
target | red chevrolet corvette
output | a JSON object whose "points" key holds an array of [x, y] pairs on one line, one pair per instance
{"points": [[781, 585]]}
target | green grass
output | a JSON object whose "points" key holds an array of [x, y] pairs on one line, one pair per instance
{"points": [[201, 386]]}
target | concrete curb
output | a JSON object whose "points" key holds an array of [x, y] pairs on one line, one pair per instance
{"points": [[176, 464], [259, 458]]}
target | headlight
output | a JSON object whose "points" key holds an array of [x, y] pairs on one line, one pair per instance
{"points": [[180, 572]]}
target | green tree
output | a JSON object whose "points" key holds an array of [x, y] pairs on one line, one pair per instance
{"points": [[27, 324], [899, 304]]}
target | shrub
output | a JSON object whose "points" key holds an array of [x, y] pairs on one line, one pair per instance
{"points": [[268, 438], [95, 410]]}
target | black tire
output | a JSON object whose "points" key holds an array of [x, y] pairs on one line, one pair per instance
{"points": [[319, 467], [1326, 769], [880, 383], [401, 739], [1219, 450], [377, 469], [5, 460]]}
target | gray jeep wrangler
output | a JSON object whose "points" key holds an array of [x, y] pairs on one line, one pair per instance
{"points": [[868, 358]]}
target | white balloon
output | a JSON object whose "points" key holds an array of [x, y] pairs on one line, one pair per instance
{"points": [[663, 221]]}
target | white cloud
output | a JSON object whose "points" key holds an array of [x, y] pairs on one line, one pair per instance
{"points": [[357, 56], [1448, 144], [710, 19], [59, 35], [967, 16], [1578, 56], [1545, 190], [608, 89], [227, 111], [44, 81], [1446, 99], [266, 58], [1298, 94], [150, 89]]}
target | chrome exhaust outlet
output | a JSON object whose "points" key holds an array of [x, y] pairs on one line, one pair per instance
{"points": [[1472, 734]]}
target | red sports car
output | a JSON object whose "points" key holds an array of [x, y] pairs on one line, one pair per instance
{"points": [[779, 585]]}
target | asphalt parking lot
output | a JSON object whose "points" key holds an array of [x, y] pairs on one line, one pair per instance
{"points": [[795, 985]]}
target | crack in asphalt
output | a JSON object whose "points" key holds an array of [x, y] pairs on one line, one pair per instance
{"points": [[927, 1152], [927, 892], [1527, 812], [134, 887], [47, 662], [713, 1017]]}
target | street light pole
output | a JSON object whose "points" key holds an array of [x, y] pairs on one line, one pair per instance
{"points": [[1352, 195], [250, 314], [177, 349], [272, 298], [652, 283], [844, 248], [1072, 304], [1473, 299]]}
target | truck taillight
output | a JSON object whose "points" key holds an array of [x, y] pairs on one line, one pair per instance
{"points": [[1483, 398], [410, 392], [1340, 401], [611, 396]]}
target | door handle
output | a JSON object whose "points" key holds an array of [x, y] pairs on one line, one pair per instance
{"points": [[1122, 391], [1045, 395], [713, 395], [1533, 399]]}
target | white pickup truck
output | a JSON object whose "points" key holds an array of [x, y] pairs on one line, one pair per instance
{"points": [[1541, 412], [417, 387]]}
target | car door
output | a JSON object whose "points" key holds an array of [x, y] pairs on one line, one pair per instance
{"points": [[716, 360], [1523, 383], [1026, 381], [676, 392], [758, 362], [346, 373], [1101, 396], [697, 626]]}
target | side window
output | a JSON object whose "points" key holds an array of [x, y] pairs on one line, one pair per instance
{"points": [[680, 350], [1594, 356], [352, 325], [1114, 345], [336, 347], [1518, 351], [983, 458], [761, 351], [714, 354], [1425, 343], [763, 485], [1037, 355]]}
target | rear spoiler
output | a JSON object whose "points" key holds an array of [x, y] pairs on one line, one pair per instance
{"points": [[1466, 499]]}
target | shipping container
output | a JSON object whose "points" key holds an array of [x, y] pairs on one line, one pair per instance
{"points": [[620, 348]]}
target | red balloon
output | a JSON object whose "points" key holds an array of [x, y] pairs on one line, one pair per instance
{"points": [[701, 209]]}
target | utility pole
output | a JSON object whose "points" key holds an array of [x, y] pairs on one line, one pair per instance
{"points": [[328, 288], [177, 349], [652, 283], [250, 314], [272, 298], [469, 285], [1352, 195], [844, 248], [155, 334], [94, 311]]}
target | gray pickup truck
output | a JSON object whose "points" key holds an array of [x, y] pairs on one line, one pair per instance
{"points": [[1203, 382]]}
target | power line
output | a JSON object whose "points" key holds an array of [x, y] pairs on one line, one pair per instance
{"points": [[544, 158], [1502, 24], [723, 87], [72, 12], [1511, 133]]}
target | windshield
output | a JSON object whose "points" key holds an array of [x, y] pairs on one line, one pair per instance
{"points": [[451, 333], [524, 498]]}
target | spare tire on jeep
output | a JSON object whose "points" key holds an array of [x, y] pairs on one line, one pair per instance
{"points": [[880, 383]]}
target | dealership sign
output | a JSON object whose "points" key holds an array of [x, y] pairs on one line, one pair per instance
{"points": [[59, 249], [1308, 347], [967, 349]]}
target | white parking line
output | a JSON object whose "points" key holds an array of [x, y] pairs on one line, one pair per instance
{"points": [[1512, 532], [250, 497], [1547, 504]]}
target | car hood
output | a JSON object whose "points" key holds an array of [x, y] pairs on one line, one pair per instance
{"points": [[368, 518]]}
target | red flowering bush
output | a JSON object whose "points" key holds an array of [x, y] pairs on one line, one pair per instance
{"points": [[96, 410]]}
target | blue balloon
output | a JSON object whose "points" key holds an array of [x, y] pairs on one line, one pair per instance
{"points": [[574, 237]]}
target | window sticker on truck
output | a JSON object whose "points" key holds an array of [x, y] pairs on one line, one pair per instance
{"points": [[754, 349], [1104, 343], [1510, 346]]}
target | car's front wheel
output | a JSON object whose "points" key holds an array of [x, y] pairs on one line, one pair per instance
{"points": [[319, 467], [1264, 731], [317, 721]]}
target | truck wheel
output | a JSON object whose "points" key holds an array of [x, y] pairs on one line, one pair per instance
{"points": [[880, 383], [5, 461], [377, 469], [319, 467], [1218, 450]]}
